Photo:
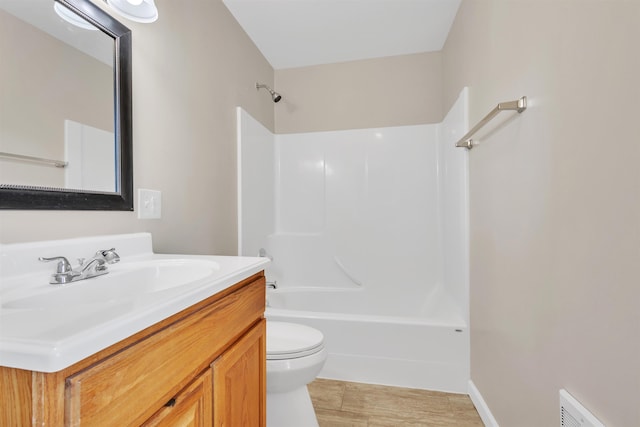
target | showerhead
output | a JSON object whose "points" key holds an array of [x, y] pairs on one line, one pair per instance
{"points": [[275, 96]]}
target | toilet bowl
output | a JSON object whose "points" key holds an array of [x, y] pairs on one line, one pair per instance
{"points": [[295, 356]]}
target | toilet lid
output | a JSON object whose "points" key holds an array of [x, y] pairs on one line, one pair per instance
{"points": [[290, 340]]}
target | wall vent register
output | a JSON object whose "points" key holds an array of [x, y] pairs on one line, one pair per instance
{"points": [[573, 414]]}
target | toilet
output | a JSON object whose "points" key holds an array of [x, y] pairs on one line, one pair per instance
{"points": [[295, 356]]}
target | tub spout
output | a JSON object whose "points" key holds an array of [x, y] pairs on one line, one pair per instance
{"points": [[263, 254], [272, 285]]}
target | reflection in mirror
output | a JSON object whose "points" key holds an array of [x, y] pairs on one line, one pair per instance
{"points": [[60, 147], [79, 129]]}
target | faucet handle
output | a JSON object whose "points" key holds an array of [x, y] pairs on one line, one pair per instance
{"points": [[64, 272], [63, 265], [109, 255]]}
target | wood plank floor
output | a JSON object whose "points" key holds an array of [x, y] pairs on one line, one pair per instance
{"points": [[347, 404]]}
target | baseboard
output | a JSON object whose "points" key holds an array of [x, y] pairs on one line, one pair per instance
{"points": [[481, 406]]}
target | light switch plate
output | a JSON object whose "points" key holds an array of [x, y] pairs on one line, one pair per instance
{"points": [[149, 204]]}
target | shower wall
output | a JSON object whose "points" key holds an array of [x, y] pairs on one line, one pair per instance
{"points": [[357, 208], [378, 209], [256, 183], [454, 202]]}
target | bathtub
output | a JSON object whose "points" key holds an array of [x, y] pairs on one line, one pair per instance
{"points": [[381, 339]]}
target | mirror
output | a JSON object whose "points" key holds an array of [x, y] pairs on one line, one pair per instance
{"points": [[65, 108]]}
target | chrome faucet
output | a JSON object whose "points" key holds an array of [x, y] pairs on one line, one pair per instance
{"points": [[96, 266]]}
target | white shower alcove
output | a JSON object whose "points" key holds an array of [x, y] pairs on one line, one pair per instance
{"points": [[368, 231]]}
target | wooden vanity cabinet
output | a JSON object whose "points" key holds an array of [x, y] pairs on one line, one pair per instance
{"points": [[205, 366]]}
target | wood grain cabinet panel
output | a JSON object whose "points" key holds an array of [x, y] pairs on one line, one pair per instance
{"points": [[190, 408], [239, 382]]}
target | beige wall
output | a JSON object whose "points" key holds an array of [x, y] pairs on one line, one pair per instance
{"points": [[555, 205], [35, 100], [392, 91], [191, 68]]}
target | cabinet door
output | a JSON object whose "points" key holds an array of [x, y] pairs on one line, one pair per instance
{"points": [[239, 382], [190, 408]]}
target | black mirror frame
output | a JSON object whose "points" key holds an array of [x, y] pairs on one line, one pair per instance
{"points": [[44, 198]]}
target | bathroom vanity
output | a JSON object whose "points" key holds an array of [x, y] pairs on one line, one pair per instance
{"points": [[202, 365]]}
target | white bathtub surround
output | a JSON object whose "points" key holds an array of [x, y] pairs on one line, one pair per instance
{"points": [[368, 230], [454, 202], [256, 190], [481, 406], [438, 308], [381, 344], [46, 327]]}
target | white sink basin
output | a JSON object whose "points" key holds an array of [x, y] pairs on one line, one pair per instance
{"points": [[126, 282], [46, 327]]}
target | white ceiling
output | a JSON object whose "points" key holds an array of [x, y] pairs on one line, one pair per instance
{"points": [[298, 33]]}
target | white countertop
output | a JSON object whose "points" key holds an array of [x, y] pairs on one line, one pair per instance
{"points": [[53, 333]]}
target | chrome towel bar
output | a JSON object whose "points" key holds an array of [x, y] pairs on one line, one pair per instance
{"points": [[518, 105], [56, 163]]}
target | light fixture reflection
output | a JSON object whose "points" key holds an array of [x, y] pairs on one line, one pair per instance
{"points": [[72, 18], [144, 11]]}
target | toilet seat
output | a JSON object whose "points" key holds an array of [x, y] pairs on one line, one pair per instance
{"points": [[291, 341]]}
